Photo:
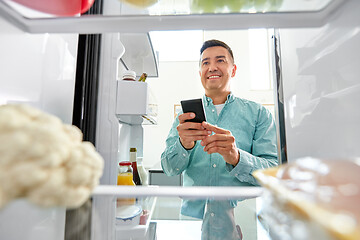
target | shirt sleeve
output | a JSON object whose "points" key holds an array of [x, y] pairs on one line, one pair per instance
{"points": [[175, 158], [264, 150]]}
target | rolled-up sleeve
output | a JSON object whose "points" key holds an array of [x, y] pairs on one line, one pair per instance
{"points": [[264, 150], [175, 158]]}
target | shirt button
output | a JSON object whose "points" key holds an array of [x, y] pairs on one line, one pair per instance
{"points": [[236, 174], [212, 214], [177, 169], [214, 165], [184, 154], [213, 110]]}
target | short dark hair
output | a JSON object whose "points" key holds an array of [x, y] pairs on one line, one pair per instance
{"points": [[216, 43]]}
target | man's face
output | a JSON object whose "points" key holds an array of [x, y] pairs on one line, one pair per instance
{"points": [[216, 69]]}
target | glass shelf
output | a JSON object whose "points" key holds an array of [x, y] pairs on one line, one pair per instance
{"points": [[183, 7], [120, 16]]}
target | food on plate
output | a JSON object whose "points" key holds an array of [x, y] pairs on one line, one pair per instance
{"points": [[324, 191], [140, 3], [44, 160], [215, 6]]}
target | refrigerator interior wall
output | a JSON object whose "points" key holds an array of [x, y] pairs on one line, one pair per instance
{"points": [[24, 220], [321, 87], [107, 135], [38, 70]]}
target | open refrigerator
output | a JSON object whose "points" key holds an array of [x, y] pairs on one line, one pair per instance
{"points": [[71, 66]]}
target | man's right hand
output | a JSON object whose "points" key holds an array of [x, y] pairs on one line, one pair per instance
{"points": [[189, 132]]}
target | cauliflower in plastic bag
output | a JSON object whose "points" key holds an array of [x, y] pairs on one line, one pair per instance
{"points": [[44, 160]]}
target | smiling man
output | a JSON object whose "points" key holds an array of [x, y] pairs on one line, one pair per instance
{"points": [[238, 138]]}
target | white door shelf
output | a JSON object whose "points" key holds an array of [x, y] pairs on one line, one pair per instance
{"points": [[133, 103], [137, 231]]}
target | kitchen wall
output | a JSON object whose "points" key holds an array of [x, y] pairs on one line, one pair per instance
{"points": [[180, 80]]}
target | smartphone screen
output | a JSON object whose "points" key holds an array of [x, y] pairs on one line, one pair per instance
{"points": [[195, 106]]}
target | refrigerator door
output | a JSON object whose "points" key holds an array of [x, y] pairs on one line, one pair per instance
{"points": [[321, 87]]}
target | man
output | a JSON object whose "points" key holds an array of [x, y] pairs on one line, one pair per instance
{"points": [[238, 137]]}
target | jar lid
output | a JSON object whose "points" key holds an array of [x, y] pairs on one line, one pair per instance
{"points": [[125, 163], [132, 149], [129, 74]]}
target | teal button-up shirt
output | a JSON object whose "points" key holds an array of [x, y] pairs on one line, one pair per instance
{"points": [[253, 127]]}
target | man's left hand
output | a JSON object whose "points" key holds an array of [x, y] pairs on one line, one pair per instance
{"points": [[222, 142]]}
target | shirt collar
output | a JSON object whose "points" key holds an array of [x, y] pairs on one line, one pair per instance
{"points": [[208, 100]]}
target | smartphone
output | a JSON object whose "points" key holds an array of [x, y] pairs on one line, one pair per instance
{"points": [[195, 106]]}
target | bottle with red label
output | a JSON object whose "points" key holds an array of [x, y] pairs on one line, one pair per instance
{"points": [[136, 175]]}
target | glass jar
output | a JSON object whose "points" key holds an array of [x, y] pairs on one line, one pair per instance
{"points": [[125, 174], [125, 177], [129, 75]]}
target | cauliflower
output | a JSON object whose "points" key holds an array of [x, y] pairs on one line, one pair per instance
{"points": [[44, 160]]}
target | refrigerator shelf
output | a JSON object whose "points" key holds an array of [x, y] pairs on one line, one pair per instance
{"points": [[183, 192], [173, 16]]}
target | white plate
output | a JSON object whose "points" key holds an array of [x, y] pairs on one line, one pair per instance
{"points": [[128, 215]]}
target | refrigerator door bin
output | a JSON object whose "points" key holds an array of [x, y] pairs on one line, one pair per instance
{"points": [[133, 104], [138, 231]]}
